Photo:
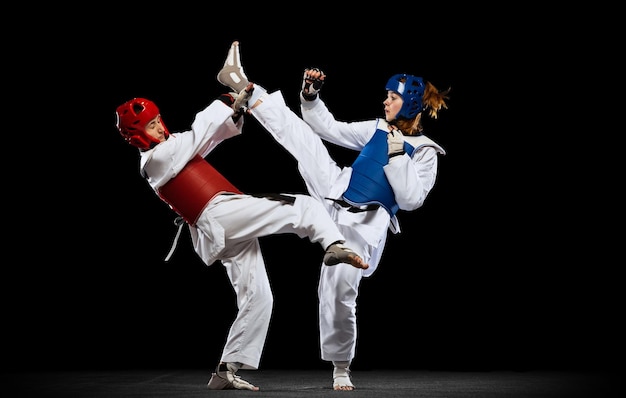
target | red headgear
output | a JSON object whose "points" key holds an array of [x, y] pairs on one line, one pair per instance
{"points": [[132, 118]]}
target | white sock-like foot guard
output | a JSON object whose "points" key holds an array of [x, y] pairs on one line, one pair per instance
{"points": [[339, 253], [232, 75], [341, 377], [225, 378]]}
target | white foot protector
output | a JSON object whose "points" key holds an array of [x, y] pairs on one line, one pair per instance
{"points": [[232, 75], [339, 253], [341, 379], [225, 378]]}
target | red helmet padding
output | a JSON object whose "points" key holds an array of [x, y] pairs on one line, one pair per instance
{"points": [[132, 118]]}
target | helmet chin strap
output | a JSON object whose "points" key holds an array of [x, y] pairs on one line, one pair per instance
{"points": [[393, 126], [153, 143]]}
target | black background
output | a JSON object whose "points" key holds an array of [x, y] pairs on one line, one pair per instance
{"points": [[508, 265]]}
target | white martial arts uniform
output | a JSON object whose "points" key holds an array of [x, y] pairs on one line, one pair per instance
{"points": [[411, 176], [229, 227]]}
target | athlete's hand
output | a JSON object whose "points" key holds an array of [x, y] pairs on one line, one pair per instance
{"points": [[395, 143], [241, 99], [312, 83]]}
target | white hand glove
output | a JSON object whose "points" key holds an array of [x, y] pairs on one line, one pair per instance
{"points": [[395, 141], [241, 99]]}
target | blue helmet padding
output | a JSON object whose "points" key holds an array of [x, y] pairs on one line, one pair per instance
{"points": [[411, 90]]}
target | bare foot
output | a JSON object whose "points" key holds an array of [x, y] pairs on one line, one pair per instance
{"points": [[357, 262]]}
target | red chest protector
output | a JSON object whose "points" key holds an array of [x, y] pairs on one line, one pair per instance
{"points": [[193, 188]]}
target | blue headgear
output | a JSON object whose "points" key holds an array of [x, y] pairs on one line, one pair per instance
{"points": [[411, 90]]}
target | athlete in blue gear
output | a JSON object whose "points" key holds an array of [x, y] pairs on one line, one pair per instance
{"points": [[396, 169]]}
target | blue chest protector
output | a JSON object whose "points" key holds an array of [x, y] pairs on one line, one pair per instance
{"points": [[368, 183]]}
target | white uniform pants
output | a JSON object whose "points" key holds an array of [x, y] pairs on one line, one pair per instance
{"points": [[238, 221], [338, 286]]}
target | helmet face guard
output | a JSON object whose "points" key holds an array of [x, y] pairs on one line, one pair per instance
{"points": [[411, 88], [131, 120]]}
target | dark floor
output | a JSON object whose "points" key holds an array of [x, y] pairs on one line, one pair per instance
{"points": [[311, 383]]}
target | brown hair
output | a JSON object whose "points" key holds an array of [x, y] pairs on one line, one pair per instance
{"points": [[433, 100]]}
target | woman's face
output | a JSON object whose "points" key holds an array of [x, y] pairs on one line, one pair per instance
{"points": [[155, 129], [393, 104]]}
